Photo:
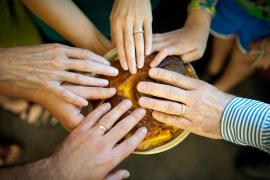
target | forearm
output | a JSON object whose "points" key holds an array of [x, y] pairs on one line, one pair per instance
{"points": [[14, 91], [68, 20], [36, 170], [247, 122]]}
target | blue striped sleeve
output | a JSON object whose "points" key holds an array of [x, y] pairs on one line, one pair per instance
{"points": [[247, 122]]}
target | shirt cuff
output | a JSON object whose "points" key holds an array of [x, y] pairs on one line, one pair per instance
{"points": [[247, 122]]}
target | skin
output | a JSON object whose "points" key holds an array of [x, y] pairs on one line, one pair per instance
{"points": [[67, 114], [188, 42], [46, 67], [88, 152], [204, 103], [264, 63], [127, 17], [65, 17]]}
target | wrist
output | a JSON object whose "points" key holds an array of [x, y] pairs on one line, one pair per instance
{"points": [[198, 17]]}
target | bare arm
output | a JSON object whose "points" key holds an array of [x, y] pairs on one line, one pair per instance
{"points": [[68, 20]]}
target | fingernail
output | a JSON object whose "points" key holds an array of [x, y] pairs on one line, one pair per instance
{"points": [[141, 111], [115, 71], [153, 71], [104, 82], [125, 67], [108, 105], [127, 174], [140, 86], [133, 70], [112, 90], [84, 102], [127, 102], [143, 130]]}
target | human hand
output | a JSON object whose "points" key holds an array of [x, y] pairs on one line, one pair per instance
{"points": [[69, 115], [91, 153], [260, 53], [203, 103], [126, 18], [188, 42], [45, 67]]}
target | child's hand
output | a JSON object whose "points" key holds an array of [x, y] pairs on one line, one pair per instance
{"points": [[260, 53], [188, 42]]}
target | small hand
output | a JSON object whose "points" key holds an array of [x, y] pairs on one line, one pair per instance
{"points": [[257, 49], [127, 17], [188, 42], [91, 153], [69, 115], [204, 103], [46, 67]]}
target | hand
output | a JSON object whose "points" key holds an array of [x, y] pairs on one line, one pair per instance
{"points": [[127, 17], [45, 67], [204, 103], [188, 42], [69, 115], [254, 54], [89, 153]]}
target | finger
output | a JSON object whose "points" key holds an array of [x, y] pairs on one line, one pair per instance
{"points": [[124, 126], [78, 78], [174, 78], [159, 57], [173, 120], [168, 107], [118, 175], [130, 48], [93, 117], [139, 43], [117, 36], [78, 53], [92, 92], [67, 95], [129, 145], [192, 56], [111, 117], [163, 91], [91, 66], [148, 37]]}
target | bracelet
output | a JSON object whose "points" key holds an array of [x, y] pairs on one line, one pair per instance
{"points": [[208, 5]]}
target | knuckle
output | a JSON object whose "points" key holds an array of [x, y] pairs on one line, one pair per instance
{"points": [[124, 126], [171, 92]]}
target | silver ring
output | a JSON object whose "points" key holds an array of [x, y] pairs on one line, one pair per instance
{"points": [[101, 127], [183, 110], [140, 30]]}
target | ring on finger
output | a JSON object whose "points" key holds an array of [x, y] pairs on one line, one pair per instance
{"points": [[139, 30], [183, 110], [101, 127]]}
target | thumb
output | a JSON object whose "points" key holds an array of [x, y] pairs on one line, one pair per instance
{"points": [[192, 56], [118, 175]]}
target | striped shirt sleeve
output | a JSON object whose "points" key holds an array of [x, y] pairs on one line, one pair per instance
{"points": [[247, 122]]}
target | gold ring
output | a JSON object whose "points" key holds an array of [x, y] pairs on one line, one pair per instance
{"points": [[101, 127], [183, 110], [140, 30]]}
